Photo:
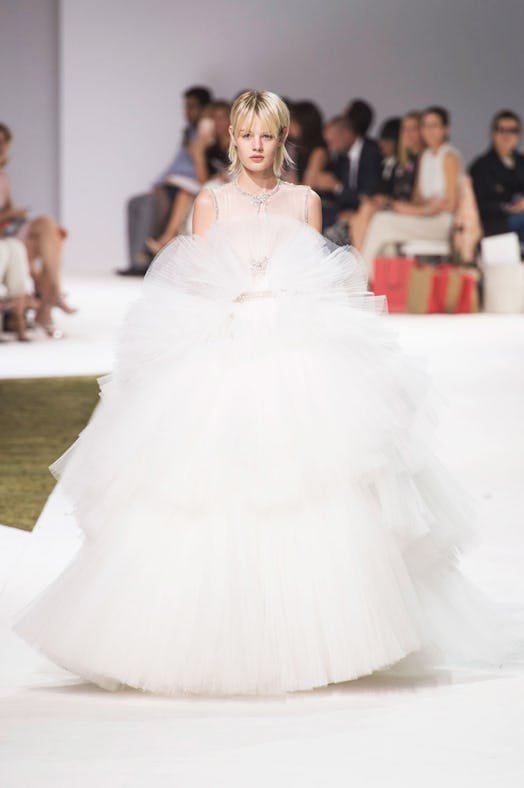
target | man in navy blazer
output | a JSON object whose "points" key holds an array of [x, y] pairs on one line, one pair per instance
{"points": [[356, 166]]}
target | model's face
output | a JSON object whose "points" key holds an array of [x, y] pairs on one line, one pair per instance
{"points": [[4, 149], [411, 136], [506, 136], [256, 146], [434, 132]]}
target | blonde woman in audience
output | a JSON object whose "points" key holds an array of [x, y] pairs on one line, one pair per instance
{"points": [[410, 148], [429, 214]]}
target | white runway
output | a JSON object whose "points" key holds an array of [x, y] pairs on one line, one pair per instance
{"points": [[452, 730]]}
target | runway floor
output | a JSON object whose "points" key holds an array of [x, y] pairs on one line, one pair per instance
{"points": [[459, 729]]}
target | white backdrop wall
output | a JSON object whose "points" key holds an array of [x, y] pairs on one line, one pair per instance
{"points": [[125, 64], [29, 99]]}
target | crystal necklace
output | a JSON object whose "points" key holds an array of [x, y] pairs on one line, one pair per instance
{"points": [[260, 199]]}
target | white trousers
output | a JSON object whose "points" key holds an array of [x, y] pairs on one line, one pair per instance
{"points": [[388, 227], [14, 268]]}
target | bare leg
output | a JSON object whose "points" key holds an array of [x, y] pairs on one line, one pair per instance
{"points": [[179, 212], [43, 312], [359, 222], [44, 241], [388, 227], [19, 304]]}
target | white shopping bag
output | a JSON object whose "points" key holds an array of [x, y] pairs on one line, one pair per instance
{"points": [[504, 248]]}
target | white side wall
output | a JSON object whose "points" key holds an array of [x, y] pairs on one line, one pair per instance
{"points": [[29, 99]]}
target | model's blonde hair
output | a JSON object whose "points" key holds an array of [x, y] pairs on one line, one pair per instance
{"points": [[272, 112]]}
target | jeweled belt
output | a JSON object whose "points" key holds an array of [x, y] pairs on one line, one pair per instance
{"points": [[253, 295]]}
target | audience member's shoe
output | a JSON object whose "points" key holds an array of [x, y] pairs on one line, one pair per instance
{"points": [[133, 271], [50, 329]]}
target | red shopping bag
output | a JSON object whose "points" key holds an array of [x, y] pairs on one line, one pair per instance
{"points": [[469, 294], [454, 290], [445, 288], [391, 278]]}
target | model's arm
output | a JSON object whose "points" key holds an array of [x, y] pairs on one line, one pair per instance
{"points": [[314, 211], [204, 212]]}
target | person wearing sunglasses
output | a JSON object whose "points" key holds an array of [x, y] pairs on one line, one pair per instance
{"points": [[498, 178]]}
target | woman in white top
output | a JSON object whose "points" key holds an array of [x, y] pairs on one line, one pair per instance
{"points": [[429, 216], [261, 511]]}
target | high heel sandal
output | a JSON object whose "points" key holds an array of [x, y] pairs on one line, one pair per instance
{"points": [[50, 329]]}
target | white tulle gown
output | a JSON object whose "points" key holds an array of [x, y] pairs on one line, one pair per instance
{"points": [[261, 510]]}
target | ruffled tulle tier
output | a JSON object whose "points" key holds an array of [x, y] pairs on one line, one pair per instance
{"points": [[261, 509]]}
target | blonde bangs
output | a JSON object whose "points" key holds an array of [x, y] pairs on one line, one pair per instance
{"points": [[272, 113]]}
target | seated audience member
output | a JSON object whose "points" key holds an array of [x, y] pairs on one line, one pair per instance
{"points": [[400, 181], [355, 171], [498, 178], [210, 155], [388, 140], [42, 238], [148, 214], [364, 161], [309, 150], [16, 286], [429, 215], [410, 148]]}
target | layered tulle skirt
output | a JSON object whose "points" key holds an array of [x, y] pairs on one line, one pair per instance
{"points": [[262, 510]]}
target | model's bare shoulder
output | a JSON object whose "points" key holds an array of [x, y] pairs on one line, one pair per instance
{"points": [[205, 199], [313, 208], [313, 196], [205, 211]]}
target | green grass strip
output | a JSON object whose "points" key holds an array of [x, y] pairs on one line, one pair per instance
{"points": [[39, 419]]}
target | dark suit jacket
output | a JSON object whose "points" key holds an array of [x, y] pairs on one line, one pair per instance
{"points": [[494, 185], [369, 176]]}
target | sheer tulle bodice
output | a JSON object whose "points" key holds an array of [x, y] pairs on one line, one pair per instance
{"points": [[286, 200]]}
